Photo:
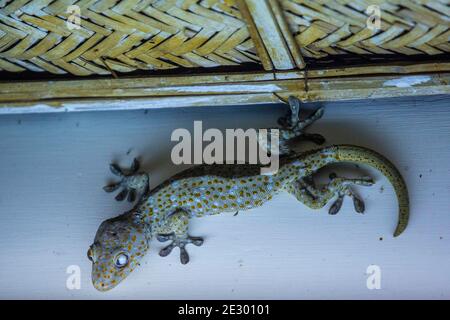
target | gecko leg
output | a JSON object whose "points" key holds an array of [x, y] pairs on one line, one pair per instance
{"points": [[316, 198], [132, 182], [176, 230]]}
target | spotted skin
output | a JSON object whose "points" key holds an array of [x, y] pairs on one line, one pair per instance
{"points": [[124, 234], [207, 190]]}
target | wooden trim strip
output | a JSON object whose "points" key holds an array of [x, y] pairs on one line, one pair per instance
{"points": [[257, 41], [271, 34], [50, 89], [287, 34], [221, 89]]}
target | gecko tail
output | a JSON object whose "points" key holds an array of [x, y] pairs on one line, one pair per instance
{"points": [[361, 155]]}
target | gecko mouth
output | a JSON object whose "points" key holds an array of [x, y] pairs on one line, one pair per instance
{"points": [[104, 282], [101, 286]]}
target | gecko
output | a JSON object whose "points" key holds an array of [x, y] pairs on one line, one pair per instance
{"points": [[164, 212]]}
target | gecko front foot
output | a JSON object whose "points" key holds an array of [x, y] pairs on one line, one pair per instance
{"points": [[292, 128], [179, 242], [342, 188], [292, 119], [132, 182]]}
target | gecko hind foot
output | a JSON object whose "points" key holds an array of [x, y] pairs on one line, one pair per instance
{"points": [[179, 242], [132, 182], [342, 187]]}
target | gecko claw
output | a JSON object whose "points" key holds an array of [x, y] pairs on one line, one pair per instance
{"points": [[179, 242]]}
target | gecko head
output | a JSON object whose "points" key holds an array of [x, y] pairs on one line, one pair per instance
{"points": [[119, 245]]}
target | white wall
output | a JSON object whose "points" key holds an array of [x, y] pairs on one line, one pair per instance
{"points": [[52, 168]]}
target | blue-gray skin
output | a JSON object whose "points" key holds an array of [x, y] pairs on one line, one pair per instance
{"points": [[164, 212]]}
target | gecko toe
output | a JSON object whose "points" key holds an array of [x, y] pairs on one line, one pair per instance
{"points": [[131, 195], [336, 206], [164, 252], [315, 138], [122, 195], [112, 187], [368, 181], [134, 166], [184, 256], [358, 204], [115, 169], [319, 113], [197, 241], [164, 237]]}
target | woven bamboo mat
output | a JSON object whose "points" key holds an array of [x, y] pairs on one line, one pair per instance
{"points": [[128, 35], [324, 27]]}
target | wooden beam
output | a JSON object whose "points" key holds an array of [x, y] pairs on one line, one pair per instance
{"points": [[271, 34], [257, 41], [287, 34], [224, 89]]}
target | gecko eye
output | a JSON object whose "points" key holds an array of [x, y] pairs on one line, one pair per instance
{"points": [[121, 260]]}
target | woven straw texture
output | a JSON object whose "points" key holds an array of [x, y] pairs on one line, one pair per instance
{"points": [[131, 35], [121, 36], [324, 27]]}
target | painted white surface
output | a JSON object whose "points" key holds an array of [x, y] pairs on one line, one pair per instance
{"points": [[52, 168], [406, 82]]}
